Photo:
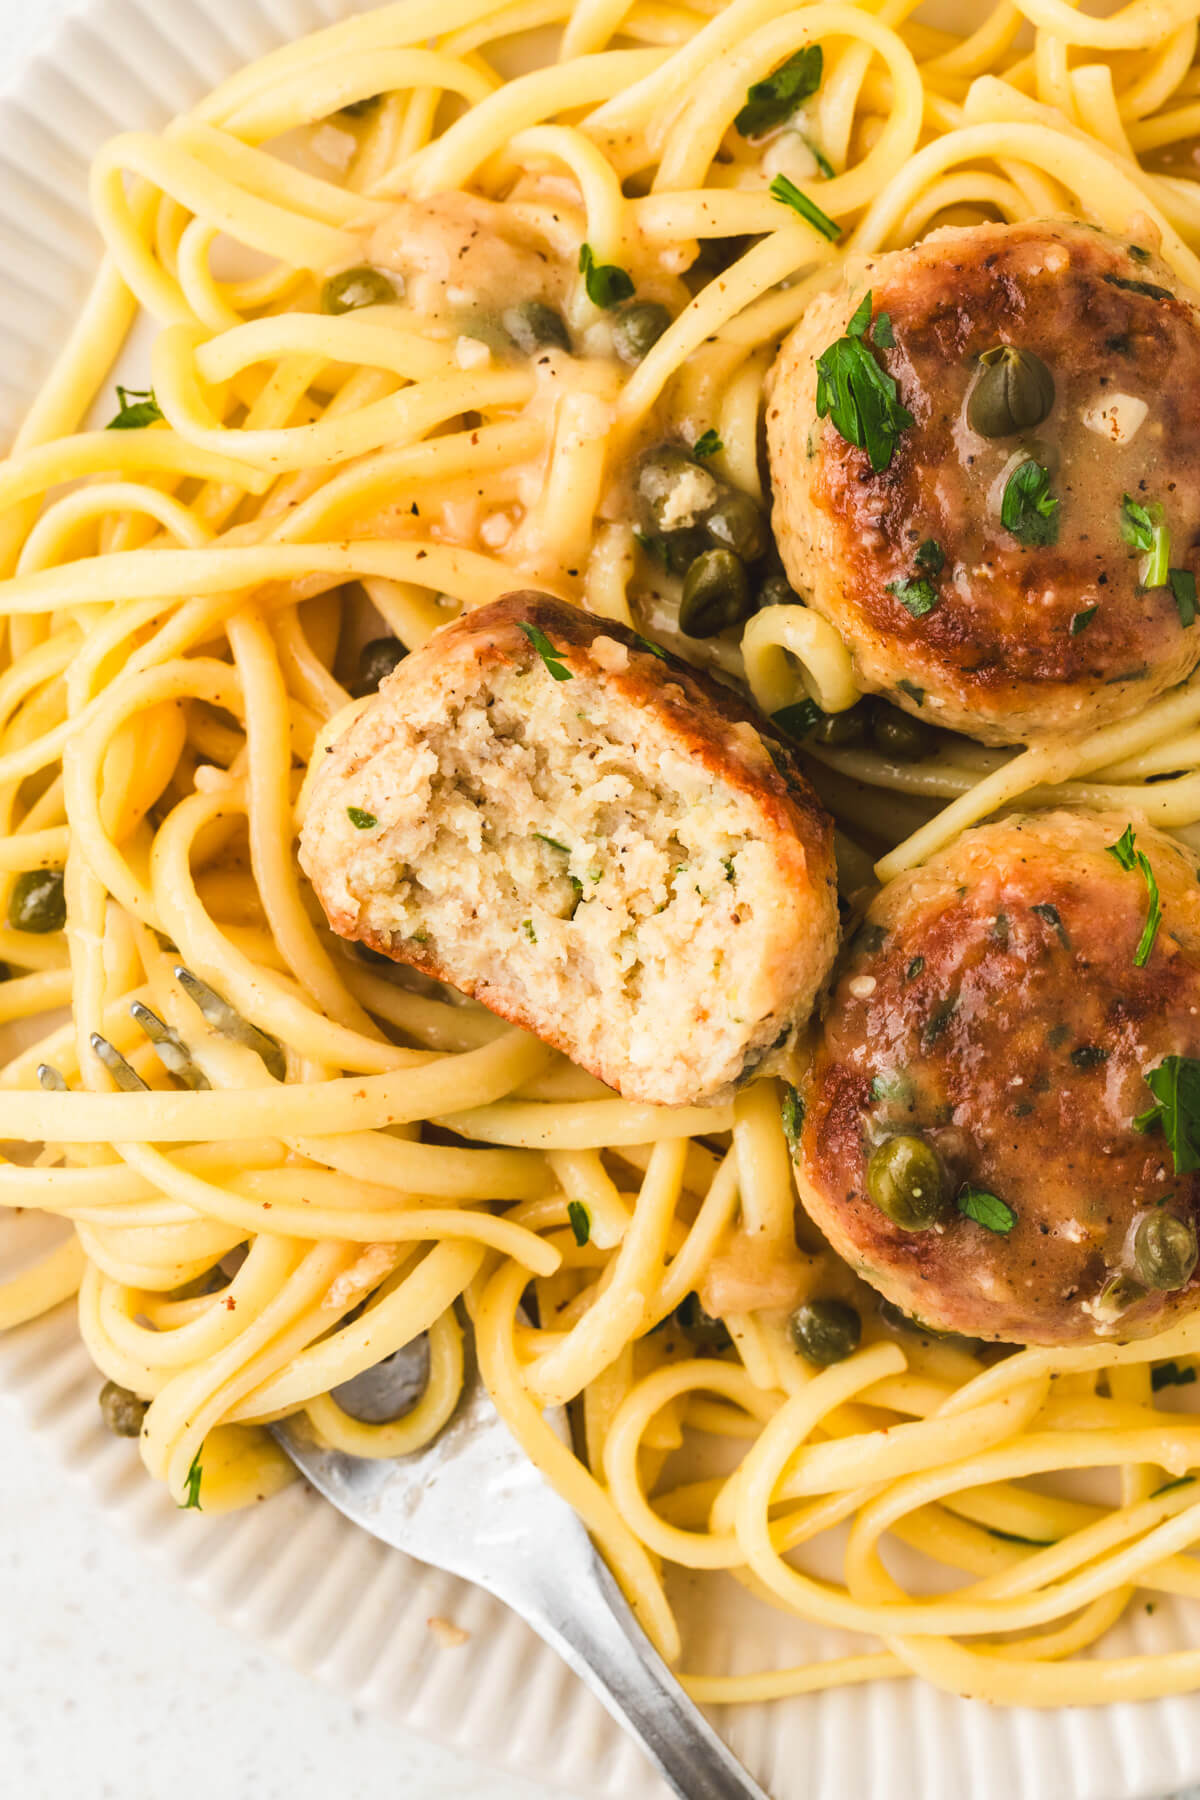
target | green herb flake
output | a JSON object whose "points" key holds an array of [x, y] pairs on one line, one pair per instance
{"points": [[1053, 918], [362, 821], [195, 1476], [1182, 584], [654, 649], [822, 161], [1014, 1537], [858, 395], [139, 408], [1170, 1374], [791, 1113], [891, 1086], [798, 720], [915, 968], [882, 332], [918, 596], [916, 694], [986, 1209], [553, 843], [930, 556], [606, 284], [1088, 1056], [936, 1023], [707, 444], [1169, 1487], [1029, 510], [1149, 289], [1175, 1084], [773, 101], [1081, 620], [1142, 528], [787, 193], [528, 929], [580, 1221], [1139, 253], [552, 658], [1131, 859]]}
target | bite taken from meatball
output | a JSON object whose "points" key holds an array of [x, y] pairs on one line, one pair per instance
{"points": [[1009, 548], [1002, 1121], [544, 810]]}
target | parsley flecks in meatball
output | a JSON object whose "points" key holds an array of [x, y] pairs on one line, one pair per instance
{"points": [[1002, 1124], [984, 553]]}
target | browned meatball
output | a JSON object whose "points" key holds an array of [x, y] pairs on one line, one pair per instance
{"points": [[1008, 636], [992, 1008]]}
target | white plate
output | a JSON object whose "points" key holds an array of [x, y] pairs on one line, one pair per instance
{"points": [[292, 1574]]}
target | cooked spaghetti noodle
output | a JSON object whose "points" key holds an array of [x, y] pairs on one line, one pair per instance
{"points": [[276, 1169]]}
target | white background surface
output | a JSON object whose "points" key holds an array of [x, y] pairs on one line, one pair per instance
{"points": [[116, 1685]]}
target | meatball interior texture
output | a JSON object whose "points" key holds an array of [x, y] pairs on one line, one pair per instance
{"points": [[611, 855], [1021, 638], [991, 1006]]}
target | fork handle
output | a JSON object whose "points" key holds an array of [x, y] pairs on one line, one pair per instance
{"points": [[594, 1631]]}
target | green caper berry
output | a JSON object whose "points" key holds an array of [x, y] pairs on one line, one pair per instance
{"points": [[841, 731], [825, 1331], [705, 1332], [352, 289], [777, 590], [716, 594], [736, 523], [658, 476], [122, 1411], [535, 326], [38, 901], [638, 328], [898, 735], [904, 1180], [376, 661], [1164, 1251], [1118, 1294], [1013, 392]]}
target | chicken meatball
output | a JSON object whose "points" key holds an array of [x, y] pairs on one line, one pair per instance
{"points": [[1013, 549], [544, 810], [999, 1130]]}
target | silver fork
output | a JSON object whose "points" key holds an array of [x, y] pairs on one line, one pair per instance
{"points": [[473, 1504]]}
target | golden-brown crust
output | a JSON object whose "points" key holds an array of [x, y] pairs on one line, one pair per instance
{"points": [[1022, 639], [993, 1005], [709, 723]]}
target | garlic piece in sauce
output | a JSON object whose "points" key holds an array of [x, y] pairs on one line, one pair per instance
{"points": [[1118, 417]]}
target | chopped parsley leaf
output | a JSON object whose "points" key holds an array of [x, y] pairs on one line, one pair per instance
{"points": [[937, 1022], [528, 929], [792, 1114], [1139, 253], [858, 395], [798, 720], [914, 968], [787, 193], [930, 555], [986, 1209], [654, 649], [916, 694], [1053, 918], [1081, 620], [1182, 584], [606, 284], [882, 333], [1014, 1537], [772, 101], [1149, 288], [138, 408], [1175, 1084], [1169, 1374], [1088, 1056], [1029, 510], [891, 1086], [546, 650], [553, 843], [362, 821], [822, 161], [1130, 859], [707, 444], [580, 1220], [917, 595], [195, 1476], [1142, 528]]}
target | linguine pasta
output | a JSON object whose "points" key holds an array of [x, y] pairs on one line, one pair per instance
{"points": [[277, 1168]]}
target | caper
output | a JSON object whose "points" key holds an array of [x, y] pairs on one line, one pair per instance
{"points": [[534, 326], [904, 1179], [898, 735], [1164, 1251], [638, 328], [661, 474], [38, 901], [843, 730], [736, 523], [352, 289], [716, 594], [376, 661], [1118, 1294], [1014, 391], [122, 1411], [825, 1331], [777, 590], [705, 1332]]}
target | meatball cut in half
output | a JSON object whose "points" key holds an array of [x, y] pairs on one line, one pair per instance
{"points": [[1003, 1112], [543, 810], [979, 553]]}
